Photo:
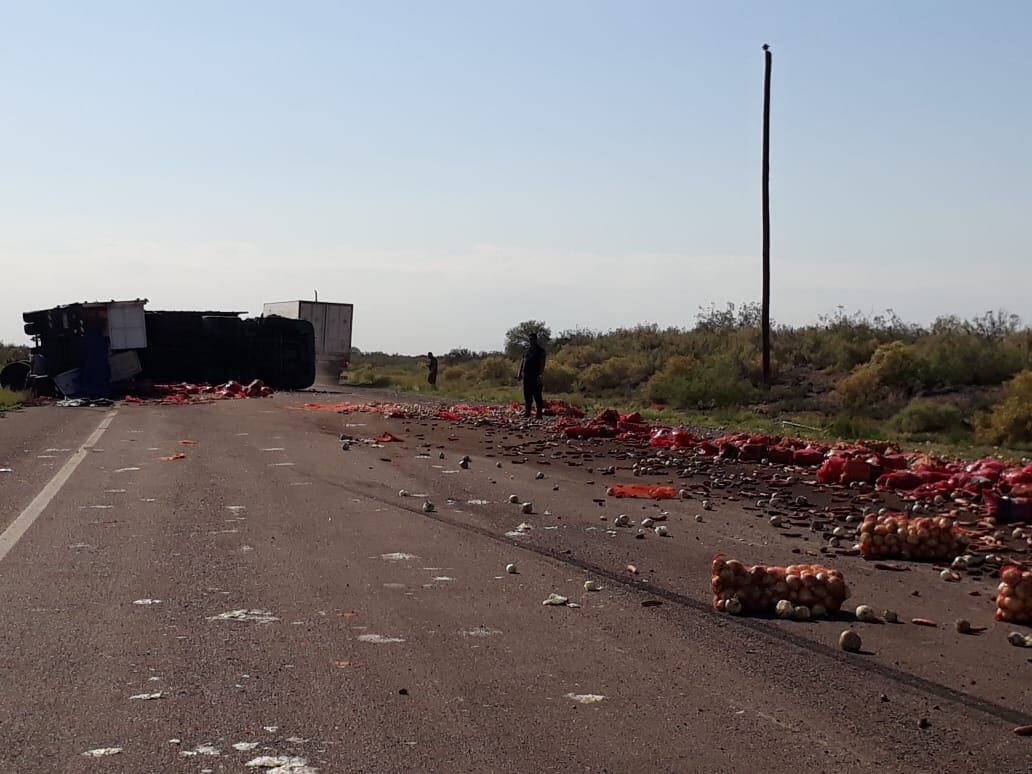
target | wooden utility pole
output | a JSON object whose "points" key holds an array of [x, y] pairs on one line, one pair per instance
{"points": [[765, 322]]}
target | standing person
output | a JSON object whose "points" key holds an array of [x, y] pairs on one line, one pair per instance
{"points": [[431, 369], [532, 372]]}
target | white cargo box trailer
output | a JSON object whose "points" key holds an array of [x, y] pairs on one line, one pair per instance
{"points": [[332, 324]]}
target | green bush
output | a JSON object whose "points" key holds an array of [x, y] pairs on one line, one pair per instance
{"points": [[614, 373], [953, 359], [498, 370], [9, 352], [10, 398], [1010, 421], [456, 373], [926, 417], [559, 379], [578, 356], [894, 367], [368, 377], [711, 384], [857, 428]]}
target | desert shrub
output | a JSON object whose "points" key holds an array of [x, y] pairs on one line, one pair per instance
{"points": [[612, 374], [11, 398], [679, 365], [853, 427], [456, 373], [1010, 421], [956, 358], [928, 417], [579, 356], [893, 367], [717, 382], [367, 376], [559, 378], [459, 356], [497, 370], [9, 352]]}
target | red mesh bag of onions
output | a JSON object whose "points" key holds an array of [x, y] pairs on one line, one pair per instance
{"points": [[788, 591], [893, 536], [1014, 595]]}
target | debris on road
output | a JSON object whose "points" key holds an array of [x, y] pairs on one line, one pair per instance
{"points": [[102, 752], [398, 556], [480, 631], [1019, 640], [184, 392], [511, 569], [255, 616], [281, 764], [201, 749], [146, 601], [428, 507], [642, 491], [591, 585], [245, 746], [173, 457], [148, 696], [556, 600], [586, 698], [379, 639]]}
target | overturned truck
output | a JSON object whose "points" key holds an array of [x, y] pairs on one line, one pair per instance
{"points": [[97, 349]]}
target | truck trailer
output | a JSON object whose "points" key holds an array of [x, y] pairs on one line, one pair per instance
{"points": [[332, 324], [94, 349]]}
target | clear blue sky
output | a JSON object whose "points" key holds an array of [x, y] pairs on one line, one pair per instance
{"points": [[452, 168]]}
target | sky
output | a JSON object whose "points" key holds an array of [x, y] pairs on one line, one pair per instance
{"points": [[452, 168]]}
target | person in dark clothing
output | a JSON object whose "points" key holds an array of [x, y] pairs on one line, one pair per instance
{"points": [[431, 369], [532, 372]]}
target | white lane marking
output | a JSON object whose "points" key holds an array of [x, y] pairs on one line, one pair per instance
{"points": [[10, 537]]}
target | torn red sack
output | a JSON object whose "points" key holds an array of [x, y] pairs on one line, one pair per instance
{"points": [[642, 491]]}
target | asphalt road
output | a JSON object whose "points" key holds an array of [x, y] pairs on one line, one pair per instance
{"points": [[389, 639]]}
